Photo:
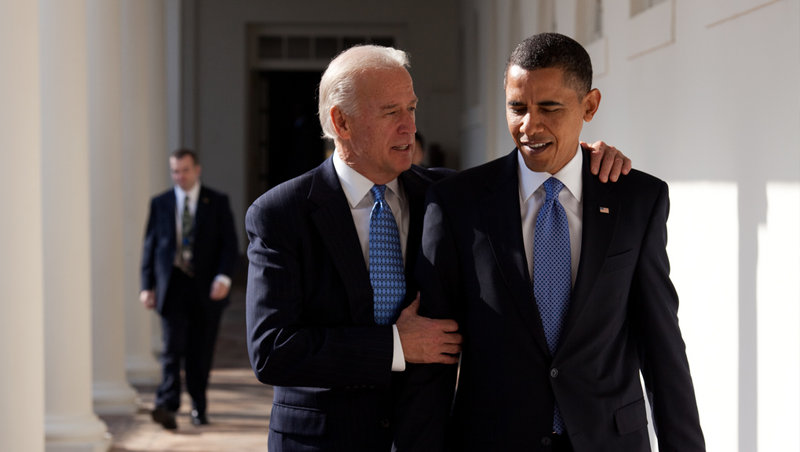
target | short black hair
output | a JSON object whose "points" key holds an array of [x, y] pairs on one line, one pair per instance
{"points": [[553, 50], [183, 152]]}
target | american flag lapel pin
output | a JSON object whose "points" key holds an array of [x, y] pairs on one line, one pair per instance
{"points": [[604, 210]]}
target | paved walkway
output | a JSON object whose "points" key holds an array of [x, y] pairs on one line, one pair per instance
{"points": [[238, 410]]}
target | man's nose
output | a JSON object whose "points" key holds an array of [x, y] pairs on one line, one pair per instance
{"points": [[408, 124], [531, 124]]}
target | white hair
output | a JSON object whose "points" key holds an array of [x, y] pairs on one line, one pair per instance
{"points": [[338, 85]]}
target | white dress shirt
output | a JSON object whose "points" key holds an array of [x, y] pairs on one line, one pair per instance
{"points": [[531, 199], [180, 199], [357, 190]]}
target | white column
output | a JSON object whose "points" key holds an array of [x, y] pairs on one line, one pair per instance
{"points": [[145, 161], [70, 424], [112, 393], [21, 274], [108, 253]]}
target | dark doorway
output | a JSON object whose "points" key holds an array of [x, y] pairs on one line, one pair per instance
{"points": [[285, 132]]}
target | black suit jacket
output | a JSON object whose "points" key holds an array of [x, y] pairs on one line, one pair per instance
{"points": [[215, 247], [622, 318], [310, 321]]}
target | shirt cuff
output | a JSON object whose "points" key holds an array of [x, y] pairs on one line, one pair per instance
{"points": [[398, 358], [225, 280]]}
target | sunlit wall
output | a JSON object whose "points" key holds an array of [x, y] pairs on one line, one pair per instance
{"points": [[704, 253], [704, 94]]}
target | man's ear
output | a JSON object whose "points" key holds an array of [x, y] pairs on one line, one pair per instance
{"points": [[590, 103], [340, 123]]}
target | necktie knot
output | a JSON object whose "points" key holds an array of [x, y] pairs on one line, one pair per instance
{"points": [[552, 187], [378, 192]]}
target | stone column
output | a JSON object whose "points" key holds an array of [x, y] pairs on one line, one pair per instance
{"points": [[112, 393], [145, 161], [70, 423], [21, 266]]}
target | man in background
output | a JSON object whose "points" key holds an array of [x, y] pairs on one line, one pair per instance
{"points": [[189, 254]]}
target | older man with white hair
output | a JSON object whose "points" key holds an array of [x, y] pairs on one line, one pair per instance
{"points": [[331, 300]]}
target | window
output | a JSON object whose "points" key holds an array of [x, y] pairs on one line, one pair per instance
{"points": [[305, 47], [637, 6], [589, 21]]}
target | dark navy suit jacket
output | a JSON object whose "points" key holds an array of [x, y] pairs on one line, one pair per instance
{"points": [[215, 247], [310, 322], [622, 318]]}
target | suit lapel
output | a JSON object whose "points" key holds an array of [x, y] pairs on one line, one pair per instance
{"points": [[505, 236], [414, 187], [598, 231], [203, 206], [334, 223]]}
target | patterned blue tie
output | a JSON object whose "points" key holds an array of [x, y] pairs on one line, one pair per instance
{"points": [[386, 272], [552, 271]]}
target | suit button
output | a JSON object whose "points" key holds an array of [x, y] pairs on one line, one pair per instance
{"points": [[554, 372], [546, 441], [385, 423]]}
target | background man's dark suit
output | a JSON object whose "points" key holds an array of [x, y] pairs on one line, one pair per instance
{"points": [[310, 323], [622, 316], [214, 252]]}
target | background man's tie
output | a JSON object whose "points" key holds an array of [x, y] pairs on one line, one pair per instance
{"points": [[386, 271], [187, 239], [552, 271]]}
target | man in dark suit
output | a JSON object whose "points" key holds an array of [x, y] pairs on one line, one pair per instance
{"points": [[330, 317], [190, 250], [560, 285]]}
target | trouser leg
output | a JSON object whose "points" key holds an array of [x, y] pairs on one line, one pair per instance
{"points": [[175, 326], [200, 351]]}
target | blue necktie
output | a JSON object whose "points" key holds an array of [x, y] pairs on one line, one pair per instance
{"points": [[552, 271], [386, 272]]}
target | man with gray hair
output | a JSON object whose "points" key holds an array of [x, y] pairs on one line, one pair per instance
{"points": [[331, 300]]}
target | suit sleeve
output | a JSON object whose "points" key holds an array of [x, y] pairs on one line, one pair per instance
{"points": [[662, 352], [230, 246], [286, 349], [148, 271], [423, 409]]}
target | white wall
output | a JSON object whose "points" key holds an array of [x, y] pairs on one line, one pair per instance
{"points": [[706, 95], [219, 62]]}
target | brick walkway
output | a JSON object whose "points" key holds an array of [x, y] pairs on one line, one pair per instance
{"points": [[238, 410]]}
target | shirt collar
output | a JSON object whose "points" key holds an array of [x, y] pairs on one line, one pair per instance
{"points": [[355, 185], [570, 175], [193, 192]]}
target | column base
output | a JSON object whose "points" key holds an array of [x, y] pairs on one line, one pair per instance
{"points": [[81, 433], [112, 398], [103, 445], [142, 370]]}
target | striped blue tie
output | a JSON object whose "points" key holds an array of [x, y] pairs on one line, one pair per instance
{"points": [[386, 272], [552, 271]]}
